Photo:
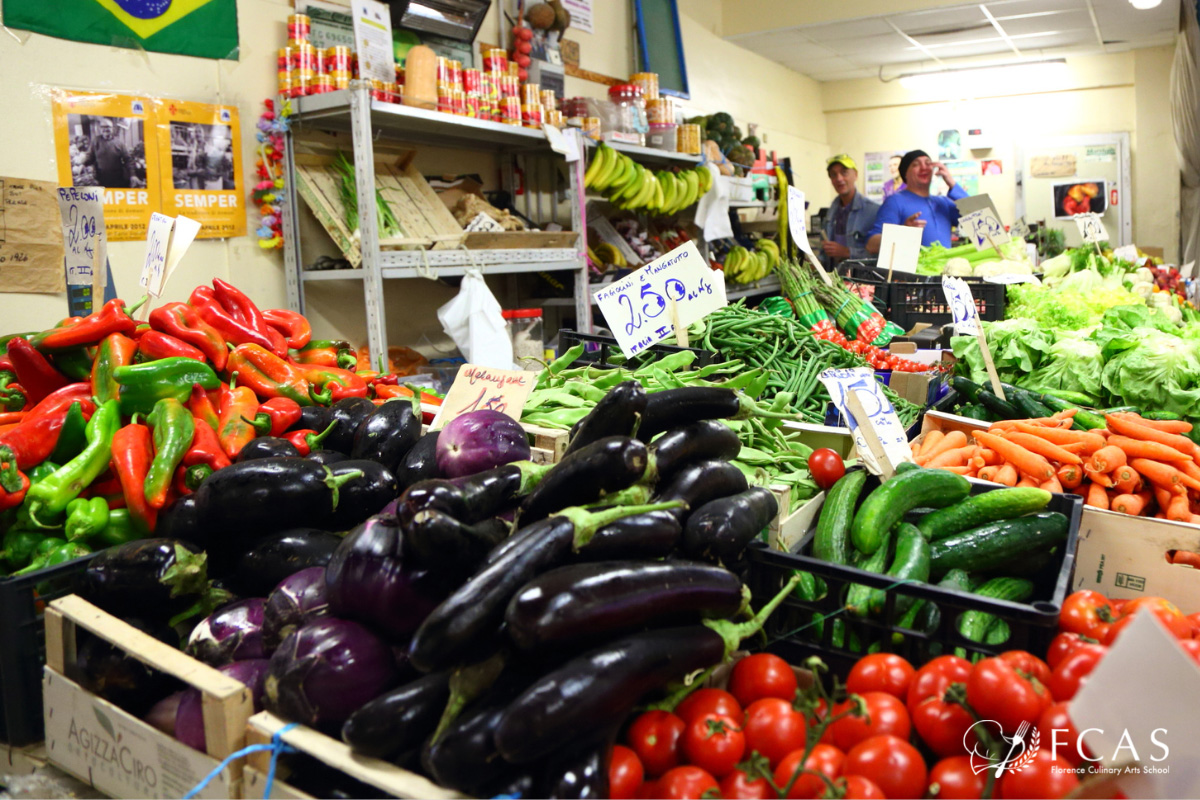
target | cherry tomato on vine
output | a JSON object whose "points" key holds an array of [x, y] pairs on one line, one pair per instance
{"points": [[941, 725], [826, 467], [685, 783], [884, 715], [881, 672], [715, 743], [654, 737], [890, 763], [708, 701], [774, 728], [738, 785], [1045, 776], [625, 773], [824, 759], [954, 779], [856, 787], [762, 675]]}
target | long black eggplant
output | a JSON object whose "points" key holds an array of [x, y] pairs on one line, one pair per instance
{"points": [[579, 771], [109, 672], [588, 601], [464, 757], [675, 407], [270, 559], [476, 609], [313, 418], [652, 535], [387, 435], [183, 519], [475, 498], [616, 414], [153, 578], [599, 689], [701, 482], [606, 465], [420, 463], [328, 457], [400, 720], [362, 495], [723, 528], [705, 440], [267, 447], [449, 546], [348, 413]]}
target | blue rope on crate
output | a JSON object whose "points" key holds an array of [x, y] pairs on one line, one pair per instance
{"points": [[277, 747]]}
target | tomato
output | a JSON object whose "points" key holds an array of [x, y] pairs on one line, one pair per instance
{"points": [[1072, 671], [1027, 663], [737, 785], [685, 782], [1166, 611], [708, 701], [1192, 648], [1062, 646], [881, 672], [625, 773], [1059, 734], [890, 763], [822, 713], [762, 675], [941, 725], [997, 691], [953, 779], [1195, 620], [654, 737], [856, 787], [826, 467], [1087, 613], [884, 715], [714, 743], [824, 759], [774, 728], [1045, 776]]}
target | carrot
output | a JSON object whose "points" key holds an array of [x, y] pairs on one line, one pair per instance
{"points": [[1179, 510], [1185, 557], [1059, 436], [1190, 468], [1053, 485], [950, 458], [1026, 481], [988, 473], [959, 470], [1028, 463], [1163, 497], [976, 463], [950, 441], [1036, 444], [1136, 448], [1165, 475], [1106, 459], [990, 457], [1130, 504], [1097, 477], [931, 439], [1125, 479], [1007, 475], [1135, 430], [1070, 476], [1096, 497], [1164, 425]]}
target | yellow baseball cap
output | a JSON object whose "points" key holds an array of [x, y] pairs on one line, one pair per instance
{"points": [[843, 159]]}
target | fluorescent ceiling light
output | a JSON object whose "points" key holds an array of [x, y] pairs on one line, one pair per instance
{"points": [[972, 80], [1142, 5]]}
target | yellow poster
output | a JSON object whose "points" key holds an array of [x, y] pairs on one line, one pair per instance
{"points": [[200, 149], [100, 139]]}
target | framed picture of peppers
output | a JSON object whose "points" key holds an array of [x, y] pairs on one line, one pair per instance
{"points": [[1080, 197]]}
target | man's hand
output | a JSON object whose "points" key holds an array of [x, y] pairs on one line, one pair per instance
{"points": [[835, 250], [913, 222], [943, 172]]}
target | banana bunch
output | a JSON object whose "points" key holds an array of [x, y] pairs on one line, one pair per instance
{"points": [[748, 266], [631, 187], [605, 253]]}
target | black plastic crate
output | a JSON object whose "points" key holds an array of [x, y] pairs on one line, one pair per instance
{"points": [[23, 646], [599, 350], [913, 302], [792, 635]]}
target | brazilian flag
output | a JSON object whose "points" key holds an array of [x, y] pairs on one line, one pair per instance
{"points": [[204, 28]]}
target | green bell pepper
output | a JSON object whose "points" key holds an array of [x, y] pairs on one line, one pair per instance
{"points": [[86, 518], [75, 363], [119, 530], [19, 547], [49, 498], [72, 437], [61, 554], [143, 385], [174, 428]]}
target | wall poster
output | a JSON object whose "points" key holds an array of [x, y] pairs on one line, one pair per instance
{"points": [[882, 174], [200, 152]]}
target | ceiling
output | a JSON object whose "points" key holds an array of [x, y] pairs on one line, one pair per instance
{"points": [[923, 40]]}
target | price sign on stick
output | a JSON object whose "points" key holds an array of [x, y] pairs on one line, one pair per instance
{"points": [[966, 320], [899, 248], [637, 307], [798, 227], [154, 266], [980, 221], [85, 242], [477, 388], [1091, 228], [1019, 229], [878, 435]]}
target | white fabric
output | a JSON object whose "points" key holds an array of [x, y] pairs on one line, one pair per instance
{"points": [[712, 212], [1185, 116], [472, 319]]}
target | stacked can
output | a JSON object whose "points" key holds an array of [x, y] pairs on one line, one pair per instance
{"points": [[299, 27], [648, 82], [688, 139], [660, 111], [322, 84], [445, 101], [510, 110], [305, 68], [495, 61], [591, 127], [549, 100], [284, 67]]}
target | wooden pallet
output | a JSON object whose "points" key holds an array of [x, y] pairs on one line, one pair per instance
{"points": [[550, 439]]}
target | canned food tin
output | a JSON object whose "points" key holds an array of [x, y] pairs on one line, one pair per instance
{"points": [[532, 115], [510, 86], [322, 84], [495, 60], [510, 110], [443, 70], [337, 59], [304, 56], [549, 99], [661, 111], [285, 58], [299, 26], [473, 81], [648, 81], [445, 102], [688, 139], [456, 76], [460, 102], [340, 75], [531, 95], [340, 82], [591, 127]]}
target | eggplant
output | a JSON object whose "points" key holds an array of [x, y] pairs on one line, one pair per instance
{"points": [[232, 633], [464, 757], [649, 536], [325, 670], [260, 568], [348, 413], [420, 463], [313, 418], [387, 435], [374, 578], [267, 447], [161, 715], [120, 678], [189, 717], [600, 600], [705, 440], [475, 498], [615, 415], [327, 457], [604, 466], [675, 407], [183, 520], [298, 599], [475, 610], [449, 546], [701, 482], [723, 528], [478, 441], [400, 720], [579, 771], [362, 495], [159, 577]]}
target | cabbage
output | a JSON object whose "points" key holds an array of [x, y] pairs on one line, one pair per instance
{"points": [[1071, 364], [1159, 371]]}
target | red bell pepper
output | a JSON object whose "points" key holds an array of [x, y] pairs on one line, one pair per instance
{"points": [[293, 325], [155, 344], [206, 448], [38, 377], [112, 318], [13, 482], [34, 438], [269, 375], [276, 415], [132, 454], [243, 309], [305, 441], [326, 353], [202, 408], [184, 323], [237, 405], [117, 350]]}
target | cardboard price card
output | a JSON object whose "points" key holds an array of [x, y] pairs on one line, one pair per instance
{"points": [[154, 266], [899, 248], [797, 218], [84, 240], [984, 228], [200, 147], [476, 388], [881, 420], [638, 309], [1091, 228], [1019, 229], [962, 304]]}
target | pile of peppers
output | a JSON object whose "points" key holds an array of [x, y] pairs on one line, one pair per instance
{"points": [[105, 421]]}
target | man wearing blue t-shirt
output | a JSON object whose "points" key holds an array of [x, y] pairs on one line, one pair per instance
{"points": [[915, 207]]}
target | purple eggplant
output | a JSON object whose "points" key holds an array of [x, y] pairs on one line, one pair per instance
{"points": [[189, 715], [267, 561], [374, 578], [478, 441], [234, 633], [298, 599], [162, 715], [325, 670]]}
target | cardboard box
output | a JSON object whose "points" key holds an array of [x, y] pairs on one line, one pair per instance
{"points": [[836, 439], [22, 760], [1127, 557], [917, 387]]}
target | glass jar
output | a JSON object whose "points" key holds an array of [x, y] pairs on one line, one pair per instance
{"points": [[525, 330], [629, 113]]}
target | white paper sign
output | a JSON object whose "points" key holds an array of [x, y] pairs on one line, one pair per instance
{"points": [[797, 224], [1019, 229], [563, 142], [899, 248], [1127, 253], [880, 412], [962, 304], [483, 222], [984, 229], [581, 14], [1009, 279], [158, 239], [1091, 228], [636, 307], [185, 233], [373, 39], [85, 242]]}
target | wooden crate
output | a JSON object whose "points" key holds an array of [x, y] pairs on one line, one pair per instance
{"points": [[116, 752], [263, 726], [550, 439], [524, 240], [254, 784]]}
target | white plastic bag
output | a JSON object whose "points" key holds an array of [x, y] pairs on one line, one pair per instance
{"points": [[472, 319], [712, 212]]}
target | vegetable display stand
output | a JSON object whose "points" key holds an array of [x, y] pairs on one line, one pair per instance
{"points": [[793, 635], [115, 751], [333, 753], [23, 648], [600, 349], [1127, 557], [914, 302]]}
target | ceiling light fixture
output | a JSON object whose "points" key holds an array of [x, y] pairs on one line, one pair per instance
{"points": [[1145, 5], [989, 77]]}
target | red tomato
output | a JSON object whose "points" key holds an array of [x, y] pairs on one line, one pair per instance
{"points": [[708, 701], [997, 691], [1059, 734], [884, 715], [953, 779], [1062, 646], [856, 787], [774, 728], [890, 763], [1192, 648], [881, 672], [941, 725], [1087, 613], [824, 759], [1072, 671], [737, 785], [685, 783], [1027, 663], [1166, 611], [714, 743], [1045, 776], [654, 737], [821, 713], [625, 773], [826, 467], [1195, 620], [762, 675]]}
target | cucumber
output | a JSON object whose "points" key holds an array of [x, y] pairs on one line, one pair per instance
{"points": [[981, 509], [1085, 420], [929, 616], [858, 596], [806, 589], [1062, 399], [968, 390], [989, 546], [1001, 408], [1121, 410], [975, 412], [1166, 416], [997, 633], [973, 625], [911, 563], [837, 634], [887, 505], [905, 466], [831, 542], [1029, 405]]}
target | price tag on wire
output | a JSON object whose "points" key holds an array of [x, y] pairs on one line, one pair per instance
{"points": [[880, 439], [477, 388]]}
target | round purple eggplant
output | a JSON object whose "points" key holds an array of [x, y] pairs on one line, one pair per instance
{"points": [[189, 715], [233, 633], [297, 599], [479, 441]]}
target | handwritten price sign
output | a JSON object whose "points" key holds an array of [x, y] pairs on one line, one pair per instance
{"points": [[478, 388], [158, 237], [1019, 229], [637, 307], [880, 418], [1091, 228], [962, 304], [84, 239], [984, 228]]}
